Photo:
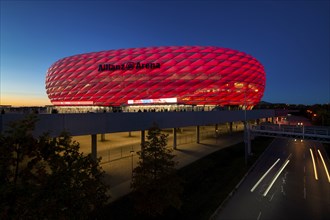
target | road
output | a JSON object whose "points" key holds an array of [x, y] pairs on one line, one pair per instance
{"points": [[295, 194]]}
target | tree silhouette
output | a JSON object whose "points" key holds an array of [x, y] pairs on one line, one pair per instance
{"points": [[47, 178], [155, 184]]}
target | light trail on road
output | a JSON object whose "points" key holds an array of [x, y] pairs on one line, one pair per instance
{"points": [[255, 186], [275, 178], [315, 171], [295, 194], [325, 166]]}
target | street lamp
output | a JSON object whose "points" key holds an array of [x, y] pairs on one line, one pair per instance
{"points": [[243, 87], [246, 131]]}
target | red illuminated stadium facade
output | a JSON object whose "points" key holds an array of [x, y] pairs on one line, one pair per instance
{"points": [[187, 75]]}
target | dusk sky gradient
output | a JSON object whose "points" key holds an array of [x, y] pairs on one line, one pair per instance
{"points": [[290, 38]]}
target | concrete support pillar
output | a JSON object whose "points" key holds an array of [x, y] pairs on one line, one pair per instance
{"points": [[102, 137], [230, 127], [197, 134], [249, 138], [174, 138], [303, 132], [94, 146], [142, 137]]}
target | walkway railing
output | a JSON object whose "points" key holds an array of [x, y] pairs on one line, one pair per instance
{"points": [[116, 153]]}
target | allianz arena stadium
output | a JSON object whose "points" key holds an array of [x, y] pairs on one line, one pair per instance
{"points": [[181, 75]]}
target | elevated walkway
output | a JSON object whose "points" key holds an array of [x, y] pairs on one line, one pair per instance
{"points": [[317, 133], [102, 123], [105, 123]]}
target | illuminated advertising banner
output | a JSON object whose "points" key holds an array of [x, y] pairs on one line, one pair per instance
{"points": [[153, 101], [69, 103]]}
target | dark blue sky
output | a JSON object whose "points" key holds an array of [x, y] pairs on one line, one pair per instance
{"points": [[290, 38]]}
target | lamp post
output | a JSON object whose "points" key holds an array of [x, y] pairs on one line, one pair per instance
{"points": [[246, 135], [243, 87]]}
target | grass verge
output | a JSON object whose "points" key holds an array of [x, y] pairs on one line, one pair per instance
{"points": [[206, 182]]}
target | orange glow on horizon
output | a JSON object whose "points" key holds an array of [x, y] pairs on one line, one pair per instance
{"points": [[26, 100]]}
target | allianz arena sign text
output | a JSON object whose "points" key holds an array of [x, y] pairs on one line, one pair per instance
{"points": [[128, 66]]}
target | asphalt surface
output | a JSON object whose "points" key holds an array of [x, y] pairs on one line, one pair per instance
{"points": [[295, 194]]}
